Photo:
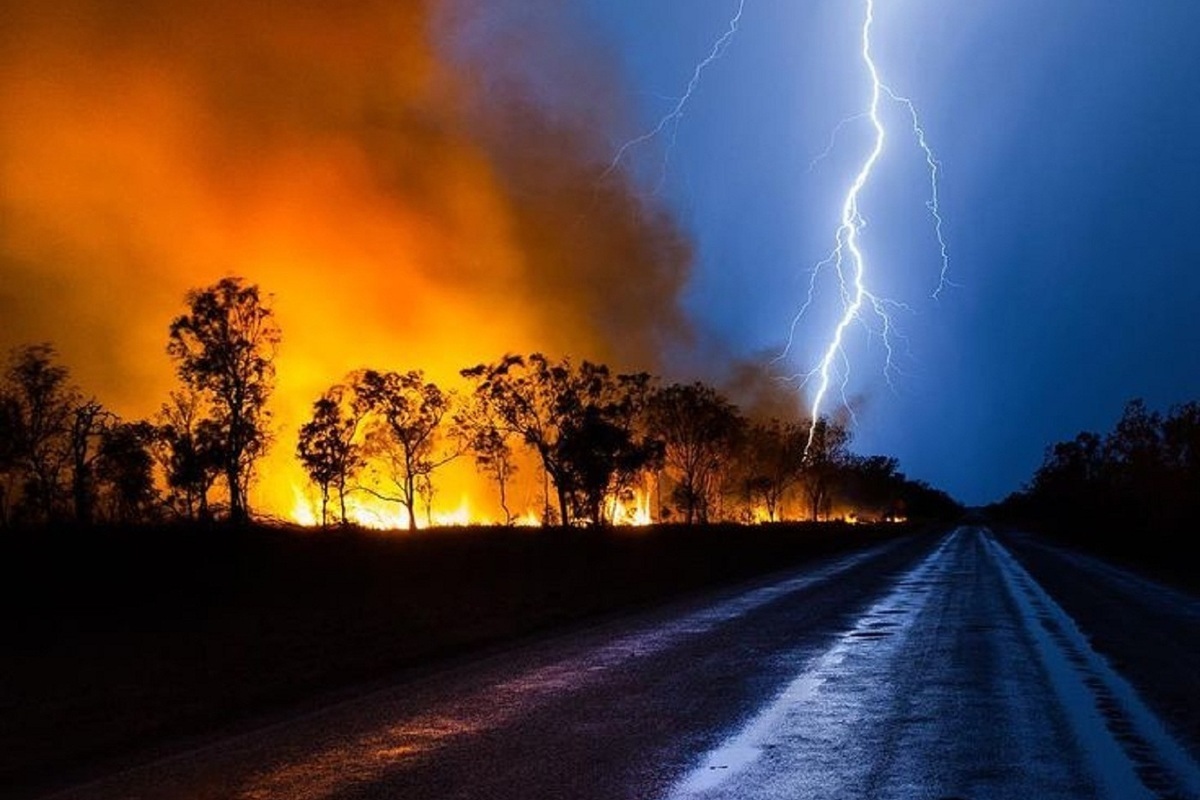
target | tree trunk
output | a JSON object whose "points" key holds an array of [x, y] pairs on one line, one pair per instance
{"points": [[81, 494], [508, 517], [410, 501], [545, 493], [563, 505], [237, 508]]}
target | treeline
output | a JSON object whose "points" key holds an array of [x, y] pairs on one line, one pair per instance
{"points": [[64, 457], [596, 436], [1138, 484]]}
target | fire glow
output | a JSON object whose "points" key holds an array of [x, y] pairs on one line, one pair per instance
{"points": [[371, 513], [403, 202], [404, 199], [365, 512]]}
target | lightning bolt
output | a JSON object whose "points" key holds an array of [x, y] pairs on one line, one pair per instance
{"points": [[847, 259], [859, 304], [669, 123]]}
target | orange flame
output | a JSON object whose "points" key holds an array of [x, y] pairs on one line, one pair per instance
{"points": [[371, 512], [405, 214]]}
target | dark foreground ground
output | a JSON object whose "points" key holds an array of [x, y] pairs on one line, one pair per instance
{"points": [[120, 645], [958, 664]]}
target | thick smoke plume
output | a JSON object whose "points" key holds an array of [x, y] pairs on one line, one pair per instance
{"points": [[417, 183]]}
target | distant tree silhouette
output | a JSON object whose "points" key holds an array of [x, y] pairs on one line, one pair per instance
{"points": [[125, 471], [1181, 451], [187, 445], [773, 462], [1133, 489], [328, 446], [427, 491], [10, 454], [873, 485], [919, 500], [484, 435], [581, 421], [88, 422], [699, 429], [39, 405], [224, 348], [522, 395], [403, 432], [1073, 471], [1181, 437], [605, 446], [826, 458], [60, 453], [1136, 457]]}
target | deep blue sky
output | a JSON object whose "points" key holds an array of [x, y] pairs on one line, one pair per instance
{"points": [[1067, 133]]}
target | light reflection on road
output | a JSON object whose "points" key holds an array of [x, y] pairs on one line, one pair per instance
{"points": [[327, 769], [966, 680]]}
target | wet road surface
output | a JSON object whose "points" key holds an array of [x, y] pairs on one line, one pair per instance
{"points": [[932, 667]]}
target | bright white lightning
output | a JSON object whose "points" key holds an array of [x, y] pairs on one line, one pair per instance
{"points": [[856, 294], [670, 122], [847, 257]]}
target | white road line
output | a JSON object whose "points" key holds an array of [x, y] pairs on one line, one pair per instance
{"points": [[900, 606], [1145, 751]]}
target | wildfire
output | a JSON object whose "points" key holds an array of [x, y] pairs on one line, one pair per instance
{"points": [[401, 216], [633, 510], [366, 511]]}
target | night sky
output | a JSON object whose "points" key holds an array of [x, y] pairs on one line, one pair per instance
{"points": [[1067, 135], [401, 172]]}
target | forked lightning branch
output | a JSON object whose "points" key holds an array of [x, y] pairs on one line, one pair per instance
{"points": [[856, 302]]}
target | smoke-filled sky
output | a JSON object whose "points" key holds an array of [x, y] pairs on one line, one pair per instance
{"points": [[407, 178], [423, 184]]}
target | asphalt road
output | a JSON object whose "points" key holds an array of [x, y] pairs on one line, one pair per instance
{"points": [[932, 667]]}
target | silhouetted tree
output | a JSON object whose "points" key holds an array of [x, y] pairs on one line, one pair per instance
{"points": [[1181, 437], [823, 462], [39, 407], [699, 429], [10, 456], [522, 395], [188, 446], [581, 421], [1143, 476], [1074, 473], [921, 501], [87, 422], [125, 471], [1136, 456], [604, 446], [328, 445], [427, 491], [873, 485], [224, 347], [1181, 446], [772, 462], [482, 433], [403, 431]]}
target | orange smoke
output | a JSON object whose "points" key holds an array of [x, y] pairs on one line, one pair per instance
{"points": [[404, 214]]}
